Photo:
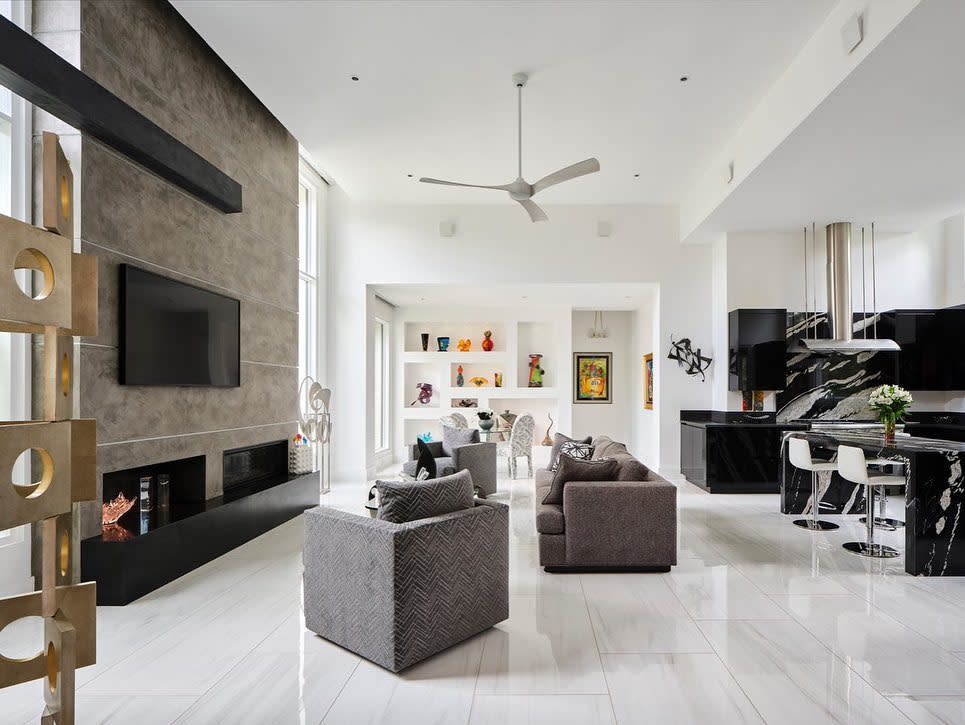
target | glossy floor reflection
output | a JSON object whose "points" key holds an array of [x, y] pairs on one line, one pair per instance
{"points": [[760, 622]]}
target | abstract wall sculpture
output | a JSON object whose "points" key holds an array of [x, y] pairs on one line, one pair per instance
{"points": [[59, 302], [688, 358], [315, 422]]}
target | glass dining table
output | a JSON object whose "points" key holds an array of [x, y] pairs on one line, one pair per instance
{"points": [[494, 435]]}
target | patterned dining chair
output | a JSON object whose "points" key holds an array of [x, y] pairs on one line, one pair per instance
{"points": [[455, 420], [520, 443]]}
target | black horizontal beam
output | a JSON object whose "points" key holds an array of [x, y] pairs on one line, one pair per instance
{"points": [[37, 74]]}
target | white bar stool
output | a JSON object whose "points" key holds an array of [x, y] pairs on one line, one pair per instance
{"points": [[799, 453], [882, 520], [853, 466]]}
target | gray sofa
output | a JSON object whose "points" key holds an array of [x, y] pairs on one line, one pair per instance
{"points": [[477, 458], [398, 593], [629, 525]]}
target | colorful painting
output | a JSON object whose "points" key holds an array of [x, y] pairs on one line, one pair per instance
{"points": [[648, 381], [591, 377]]}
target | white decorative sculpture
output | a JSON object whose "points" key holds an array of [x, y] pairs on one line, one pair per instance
{"points": [[315, 422]]}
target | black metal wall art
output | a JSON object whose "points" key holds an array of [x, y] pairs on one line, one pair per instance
{"points": [[688, 358], [36, 73]]}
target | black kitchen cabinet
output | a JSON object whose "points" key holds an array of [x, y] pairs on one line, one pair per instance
{"points": [[733, 458], [932, 353], [757, 354]]}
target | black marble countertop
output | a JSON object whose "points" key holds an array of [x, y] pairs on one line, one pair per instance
{"points": [[745, 424], [903, 442]]}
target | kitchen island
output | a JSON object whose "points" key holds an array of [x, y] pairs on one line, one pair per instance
{"points": [[934, 492]]}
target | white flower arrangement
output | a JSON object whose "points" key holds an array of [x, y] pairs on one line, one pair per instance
{"points": [[891, 403]]}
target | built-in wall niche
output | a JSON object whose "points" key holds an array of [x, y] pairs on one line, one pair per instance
{"points": [[475, 370], [469, 403], [417, 374], [455, 331], [254, 466], [412, 429], [537, 337], [187, 493]]}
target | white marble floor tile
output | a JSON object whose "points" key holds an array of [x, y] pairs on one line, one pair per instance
{"points": [[678, 688], [438, 690], [721, 592], [639, 613], [527, 578], [541, 710], [927, 711], [546, 646], [790, 677], [121, 709], [893, 658], [268, 688]]}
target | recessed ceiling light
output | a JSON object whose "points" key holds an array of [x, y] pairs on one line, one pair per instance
{"points": [[355, 78], [409, 175], [683, 79], [636, 176]]}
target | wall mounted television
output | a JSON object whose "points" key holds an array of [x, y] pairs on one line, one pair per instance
{"points": [[176, 334]]}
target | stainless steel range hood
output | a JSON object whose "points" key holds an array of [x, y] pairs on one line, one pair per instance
{"points": [[840, 312]]}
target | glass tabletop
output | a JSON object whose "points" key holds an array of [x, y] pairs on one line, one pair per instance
{"points": [[495, 434]]}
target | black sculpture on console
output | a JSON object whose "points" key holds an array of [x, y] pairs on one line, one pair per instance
{"points": [[689, 359]]}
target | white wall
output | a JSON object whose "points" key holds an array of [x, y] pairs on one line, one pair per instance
{"points": [[378, 308], [645, 423], [614, 419], [385, 244]]}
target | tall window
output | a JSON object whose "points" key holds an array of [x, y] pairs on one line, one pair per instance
{"points": [[311, 272], [380, 375]]}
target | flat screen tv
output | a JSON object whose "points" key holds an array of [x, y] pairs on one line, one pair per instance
{"points": [[174, 333]]}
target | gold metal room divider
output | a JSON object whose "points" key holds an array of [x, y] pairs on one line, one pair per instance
{"points": [[59, 451]]}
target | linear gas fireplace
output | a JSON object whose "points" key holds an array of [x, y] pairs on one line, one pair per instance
{"points": [[254, 467]]}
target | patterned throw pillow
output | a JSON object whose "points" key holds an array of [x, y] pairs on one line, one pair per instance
{"points": [[558, 440], [400, 501], [574, 469], [455, 437], [574, 449]]}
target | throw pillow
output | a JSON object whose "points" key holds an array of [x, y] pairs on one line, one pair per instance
{"points": [[400, 501], [426, 461], [453, 438], [558, 440], [606, 447], [631, 469], [573, 469], [575, 449]]}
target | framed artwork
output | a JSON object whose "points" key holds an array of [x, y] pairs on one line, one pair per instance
{"points": [[591, 377], [648, 381]]}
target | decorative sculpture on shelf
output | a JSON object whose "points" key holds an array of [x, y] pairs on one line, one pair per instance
{"points": [[460, 380], [547, 440], [425, 341], [478, 381], [464, 345], [425, 394], [535, 370], [691, 360], [497, 380], [111, 512], [487, 343], [315, 421], [443, 344]]}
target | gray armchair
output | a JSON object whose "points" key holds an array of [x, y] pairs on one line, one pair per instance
{"points": [[398, 593], [477, 458]]}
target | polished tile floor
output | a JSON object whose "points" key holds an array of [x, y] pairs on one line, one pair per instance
{"points": [[759, 622]]}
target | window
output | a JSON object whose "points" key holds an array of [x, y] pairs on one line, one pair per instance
{"points": [[311, 254], [380, 375]]}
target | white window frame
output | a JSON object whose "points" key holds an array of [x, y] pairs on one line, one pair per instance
{"points": [[314, 274], [382, 405], [15, 544]]}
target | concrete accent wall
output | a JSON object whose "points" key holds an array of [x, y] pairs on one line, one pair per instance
{"points": [[147, 54]]}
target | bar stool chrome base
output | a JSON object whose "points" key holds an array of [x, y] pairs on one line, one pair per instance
{"points": [[874, 551], [884, 523], [816, 525]]}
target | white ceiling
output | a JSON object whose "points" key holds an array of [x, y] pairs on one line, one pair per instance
{"points": [[578, 296], [436, 98], [887, 145]]}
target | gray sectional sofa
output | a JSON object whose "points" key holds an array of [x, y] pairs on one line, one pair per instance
{"points": [[608, 525]]}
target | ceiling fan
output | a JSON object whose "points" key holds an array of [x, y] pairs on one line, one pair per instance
{"points": [[520, 190]]}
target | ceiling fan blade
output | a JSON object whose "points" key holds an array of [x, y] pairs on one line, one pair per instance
{"points": [[582, 168], [427, 180], [535, 213]]}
